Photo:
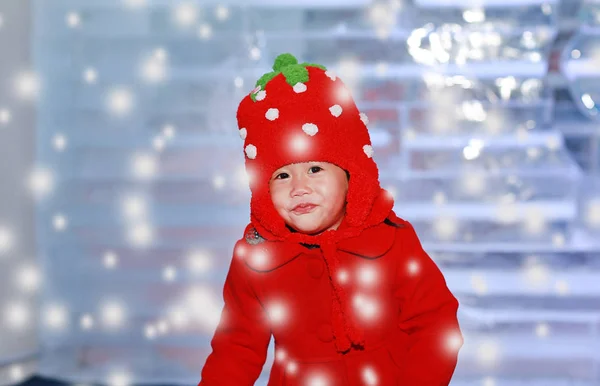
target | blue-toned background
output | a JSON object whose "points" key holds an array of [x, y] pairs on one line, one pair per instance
{"points": [[123, 191]]}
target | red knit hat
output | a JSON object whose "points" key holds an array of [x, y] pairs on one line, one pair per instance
{"points": [[302, 113]]}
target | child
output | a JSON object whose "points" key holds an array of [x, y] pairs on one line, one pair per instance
{"points": [[325, 265]]}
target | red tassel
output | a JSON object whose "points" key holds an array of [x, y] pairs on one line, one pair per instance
{"points": [[346, 331]]}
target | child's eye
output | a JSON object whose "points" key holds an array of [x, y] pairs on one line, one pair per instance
{"points": [[313, 169]]}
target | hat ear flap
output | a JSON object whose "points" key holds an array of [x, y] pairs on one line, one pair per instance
{"points": [[362, 191]]}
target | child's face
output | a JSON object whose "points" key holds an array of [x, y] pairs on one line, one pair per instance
{"points": [[320, 183]]}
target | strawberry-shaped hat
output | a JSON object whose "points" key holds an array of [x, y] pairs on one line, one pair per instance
{"points": [[302, 112]]}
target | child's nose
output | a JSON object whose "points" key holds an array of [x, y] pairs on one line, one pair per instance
{"points": [[300, 185]]}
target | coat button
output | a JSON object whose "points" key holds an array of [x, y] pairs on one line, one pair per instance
{"points": [[315, 267], [325, 333]]}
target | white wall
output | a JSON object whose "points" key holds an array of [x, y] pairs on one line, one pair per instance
{"points": [[17, 152]]}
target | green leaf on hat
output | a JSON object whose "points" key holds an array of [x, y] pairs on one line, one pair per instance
{"points": [[284, 60], [286, 64], [294, 74], [322, 67], [262, 82]]}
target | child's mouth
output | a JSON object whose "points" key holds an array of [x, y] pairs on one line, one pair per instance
{"points": [[304, 209]]}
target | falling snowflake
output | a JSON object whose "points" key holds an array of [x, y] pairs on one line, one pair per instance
{"points": [[154, 70], [369, 376], [73, 19], [222, 12], [277, 313], [454, 341], [317, 380], [343, 276], [120, 101], [6, 240], [17, 315], [110, 259], [27, 85], [343, 94], [135, 3], [150, 332], [204, 31], [5, 116], [280, 355], [592, 213], [536, 275], [86, 322], [140, 234], [90, 75], [185, 14], [535, 221], [562, 287], [446, 227], [56, 316], [542, 330], [413, 267], [199, 262], [28, 278], [367, 275], [488, 353], [292, 367], [41, 181], [259, 258], [17, 374], [144, 165], [300, 143], [119, 378], [169, 131], [366, 307], [113, 314], [479, 284], [59, 222], [134, 207], [489, 381], [169, 273], [59, 142]]}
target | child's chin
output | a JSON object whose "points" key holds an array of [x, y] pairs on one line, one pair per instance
{"points": [[307, 228]]}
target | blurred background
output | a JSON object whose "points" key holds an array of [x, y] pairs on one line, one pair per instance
{"points": [[123, 187]]}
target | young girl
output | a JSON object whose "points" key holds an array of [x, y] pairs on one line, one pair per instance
{"points": [[325, 265]]}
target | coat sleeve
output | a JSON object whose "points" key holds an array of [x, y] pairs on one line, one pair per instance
{"points": [[428, 317], [241, 340]]}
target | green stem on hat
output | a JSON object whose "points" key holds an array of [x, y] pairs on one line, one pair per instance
{"points": [[286, 64]]}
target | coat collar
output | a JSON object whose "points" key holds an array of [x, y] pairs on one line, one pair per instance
{"points": [[264, 255]]}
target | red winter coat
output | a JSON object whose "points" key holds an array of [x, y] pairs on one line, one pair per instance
{"points": [[408, 315]]}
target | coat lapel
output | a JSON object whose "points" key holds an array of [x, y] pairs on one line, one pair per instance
{"points": [[264, 255], [372, 243]]}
